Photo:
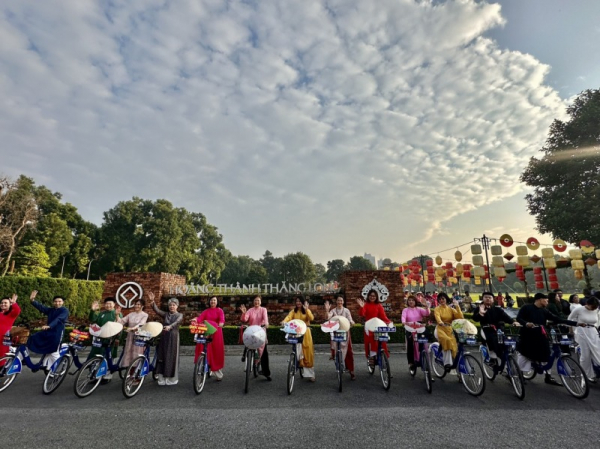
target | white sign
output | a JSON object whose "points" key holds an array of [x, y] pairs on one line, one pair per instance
{"points": [[284, 288], [128, 293]]}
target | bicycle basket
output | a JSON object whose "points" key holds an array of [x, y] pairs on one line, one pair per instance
{"points": [[293, 338], [466, 339], [565, 339], [340, 336], [422, 338], [141, 338], [510, 341], [19, 335]]}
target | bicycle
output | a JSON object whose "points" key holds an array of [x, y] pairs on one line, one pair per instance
{"points": [[338, 336], [68, 355], [381, 334], [11, 364], [420, 351], [143, 364], [508, 361], [571, 374], [469, 369], [254, 337], [90, 374], [293, 338], [201, 368]]}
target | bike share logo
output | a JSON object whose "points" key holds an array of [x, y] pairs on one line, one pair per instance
{"points": [[128, 293]]}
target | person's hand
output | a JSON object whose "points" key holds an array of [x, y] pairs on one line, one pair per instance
{"points": [[45, 328], [243, 308], [13, 299], [167, 328], [482, 309], [529, 325], [118, 310], [151, 297], [33, 295], [327, 306], [581, 324], [360, 302], [455, 303], [424, 303], [516, 324], [95, 306], [306, 305]]}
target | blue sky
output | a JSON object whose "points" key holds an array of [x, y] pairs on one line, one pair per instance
{"points": [[331, 127]]}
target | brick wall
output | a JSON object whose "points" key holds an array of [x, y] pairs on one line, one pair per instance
{"points": [[278, 306]]}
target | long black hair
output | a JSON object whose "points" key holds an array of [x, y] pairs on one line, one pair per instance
{"points": [[296, 298]]}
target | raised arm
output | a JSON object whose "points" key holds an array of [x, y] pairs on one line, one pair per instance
{"points": [[159, 312]]}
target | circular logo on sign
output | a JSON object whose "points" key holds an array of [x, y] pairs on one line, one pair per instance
{"points": [[128, 293]]}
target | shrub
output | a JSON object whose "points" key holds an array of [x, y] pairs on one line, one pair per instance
{"points": [[78, 294]]}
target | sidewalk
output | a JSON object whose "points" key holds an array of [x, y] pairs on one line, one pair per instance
{"points": [[236, 350]]}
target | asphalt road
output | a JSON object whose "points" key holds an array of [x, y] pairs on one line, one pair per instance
{"points": [[316, 414]]}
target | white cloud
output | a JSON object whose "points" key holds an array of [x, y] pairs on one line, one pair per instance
{"points": [[333, 127]]}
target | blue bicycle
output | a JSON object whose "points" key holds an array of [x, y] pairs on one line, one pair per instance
{"points": [[469, 369], [143, 364], [69, 355], [570, 372], [201, 368], [421, 352], [293, 364], [91, 372], [11, 364], [508, 361], [381, 334]]}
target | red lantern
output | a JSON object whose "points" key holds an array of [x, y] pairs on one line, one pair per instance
{"points": [[537, 270], [430, 270], [552, 278], [554, 286], [551, 271], [501, 279], [448, 265], [506, 240], [429, 263], [467, 274], [538, 278], [539, 285]]}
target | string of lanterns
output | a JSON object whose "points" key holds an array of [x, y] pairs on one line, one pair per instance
{"points": [[414, 274]]}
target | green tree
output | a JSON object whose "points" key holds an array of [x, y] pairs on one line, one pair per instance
{"points": [[334, 269], [245, 270], [566, 180], [143, 235], [55, 234], [18, 214], [33, 261], [359, 263], [297, 267], [273, 267], [320, 273]]}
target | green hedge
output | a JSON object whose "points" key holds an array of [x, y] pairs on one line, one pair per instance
{"points": [[78, 294]]}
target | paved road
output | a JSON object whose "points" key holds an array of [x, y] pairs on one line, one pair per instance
{"points": [[314, 415]]}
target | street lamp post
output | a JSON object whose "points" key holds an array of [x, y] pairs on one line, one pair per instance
{"points": [[485, 242]]}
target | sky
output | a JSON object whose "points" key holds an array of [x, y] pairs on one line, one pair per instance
{"points": [[333, 127]]}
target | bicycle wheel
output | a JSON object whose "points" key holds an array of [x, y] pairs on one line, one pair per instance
{"points": [[574, 379], [384, 371], [437, 365], [291, 374], [516, 377], [426, 371], [474, 379], [56, 376], [529, 375], [85, 379], [339, 366], [6, 379], [489, 371], [200, 374], [132, 382], [249, 369]]}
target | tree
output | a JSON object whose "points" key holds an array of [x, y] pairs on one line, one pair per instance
{"points": [[320, 272], [143, 235], [273, 267], [566, 180], [245, 270], [334, 269], [297, 268], [18, 213], [359, 263], [34, 261]]}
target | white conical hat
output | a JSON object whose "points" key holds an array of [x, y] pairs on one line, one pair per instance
{"points": [[330, 326], [110, 329], [344, 322], [254, 337], [373, 324], [153, 328], [465, 325], [297, 327]]}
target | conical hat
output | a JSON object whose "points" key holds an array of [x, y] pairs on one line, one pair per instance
{"points": [[464, 325], [110, 329], [344, 323], [330, 326], [153, 328], [373, 324], [254, 337], [297, 327]]}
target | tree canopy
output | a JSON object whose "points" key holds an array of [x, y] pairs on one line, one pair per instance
{"points": [[566, 180]]}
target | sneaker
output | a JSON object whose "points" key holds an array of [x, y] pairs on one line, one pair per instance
{"points": [[171, 382], [162, 383], [412, 369], [313, 379]]}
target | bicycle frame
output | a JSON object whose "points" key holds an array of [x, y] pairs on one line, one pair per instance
{"points": [[107, 365], [458, 362]]}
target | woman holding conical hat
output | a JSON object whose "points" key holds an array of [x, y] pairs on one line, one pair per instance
{"points": [[369, 309], [307, 358], [167, 365], [216, 349]]}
